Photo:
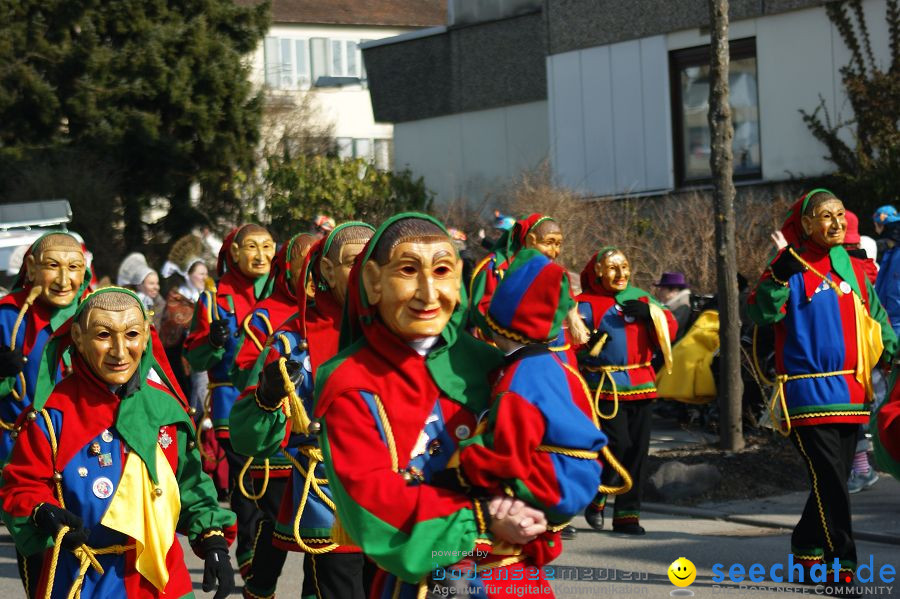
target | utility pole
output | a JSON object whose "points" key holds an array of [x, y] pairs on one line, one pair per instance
{"points": [[721, 163]]}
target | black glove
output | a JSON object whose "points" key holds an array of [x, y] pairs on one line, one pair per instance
{"points": [[50, 518], [636, 309], [786, 265], [218, 333], [217, 571], [270, 390], [12, 362]]}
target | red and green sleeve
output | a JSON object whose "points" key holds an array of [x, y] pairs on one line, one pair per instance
{"points": [[395, 523], [197, 350], [766, 303], [255, 431], [28, 482], [506, 451], [200, 509]]}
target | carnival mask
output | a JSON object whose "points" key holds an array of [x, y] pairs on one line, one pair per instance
{"points": [[613, 271], [59, 272], [112, 342], [254, 255], [417, 290], [827, 225], [549, 244], [338, 274]]}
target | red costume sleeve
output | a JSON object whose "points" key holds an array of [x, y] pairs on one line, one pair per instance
{"points": [[27, 482], [518, 428]]}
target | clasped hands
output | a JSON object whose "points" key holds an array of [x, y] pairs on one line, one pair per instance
{"points": [[513, 521]]}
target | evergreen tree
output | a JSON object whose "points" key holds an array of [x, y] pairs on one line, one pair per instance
{"points": [[158, 89]]}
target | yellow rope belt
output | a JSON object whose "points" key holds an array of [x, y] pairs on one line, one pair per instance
{"points": [[778, 395], [606, 373], [314, 454], [572, 453], [87, 556]]}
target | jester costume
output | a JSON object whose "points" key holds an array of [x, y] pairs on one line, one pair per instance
{"points": [[622, 379], [306, 512], [231, 303], [39, 323], [829, 332], [391, 418], [542, 441], [490, 271], [124, 461]]}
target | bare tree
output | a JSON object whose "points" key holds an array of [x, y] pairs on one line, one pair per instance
{"points": [[730, 390]]}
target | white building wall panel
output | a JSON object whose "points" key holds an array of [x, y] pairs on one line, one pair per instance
{"points": [[628, 115], [599, 149], [472, 154], [658, 166], [568, 119]]}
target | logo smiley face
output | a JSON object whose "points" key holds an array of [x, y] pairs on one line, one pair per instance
{"points": [[682, 572]]}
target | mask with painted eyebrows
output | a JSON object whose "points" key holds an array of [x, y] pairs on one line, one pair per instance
{"points": [[110, 335], [414, 279], [57, 265]]}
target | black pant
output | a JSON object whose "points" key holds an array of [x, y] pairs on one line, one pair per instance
{"points": [[827, 450], [247, 513], [268, 560], [629, 442], [30, 571], [333, 576]]}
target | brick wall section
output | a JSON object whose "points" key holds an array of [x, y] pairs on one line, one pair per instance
{"points": [[488, 65], [577, 24]]}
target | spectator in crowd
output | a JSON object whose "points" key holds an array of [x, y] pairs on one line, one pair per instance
{"points": [[673, 292]]}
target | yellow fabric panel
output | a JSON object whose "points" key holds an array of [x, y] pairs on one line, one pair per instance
{"points": [[137, 511], [869, 345], [658, 316], [691, 379]]}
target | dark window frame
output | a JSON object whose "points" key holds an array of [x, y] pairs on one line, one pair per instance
{"points": [[699, 56]]}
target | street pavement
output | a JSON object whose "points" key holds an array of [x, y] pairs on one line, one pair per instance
{"points": [[606, 564]]}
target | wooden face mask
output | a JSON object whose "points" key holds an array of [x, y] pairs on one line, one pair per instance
{"points": [[417, 290], [112, 341]]}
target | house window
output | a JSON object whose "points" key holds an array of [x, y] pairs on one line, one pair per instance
{"points": [[689, 72], [287, 63], [298, 63]]}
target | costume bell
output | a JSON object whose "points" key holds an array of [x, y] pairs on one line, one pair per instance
{"points": [[212, 344], [411, 380], [830, 332], [105, 471], [627, 326], [265, 422]]}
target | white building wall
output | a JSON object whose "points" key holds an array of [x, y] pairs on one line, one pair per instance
{"points": [[348, 108], [467, 155], [610, 119]]}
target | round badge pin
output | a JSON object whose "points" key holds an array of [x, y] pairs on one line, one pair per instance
{"points": [[102, 487], [107, 436], [845, 287], [463, 431], [82, 472]]}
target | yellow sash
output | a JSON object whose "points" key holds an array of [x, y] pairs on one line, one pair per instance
{"points": [[147, 515], [658, 316]]}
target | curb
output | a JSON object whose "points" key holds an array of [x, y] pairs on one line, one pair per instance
{"points": [[708, 514]]}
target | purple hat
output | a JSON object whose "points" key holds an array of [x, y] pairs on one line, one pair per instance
{"points": [[672, 279]]}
